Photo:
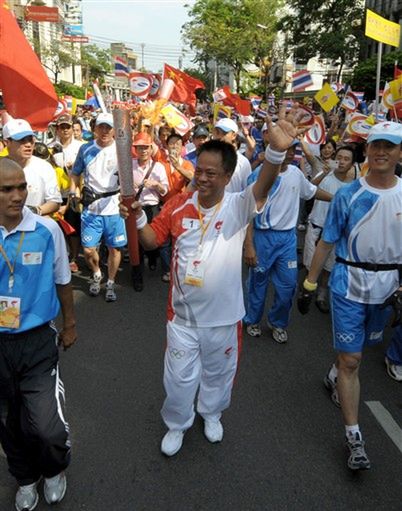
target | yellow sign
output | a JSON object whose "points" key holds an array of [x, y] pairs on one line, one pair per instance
{"points": [[326, 98], [382, 30], [396, 89]]}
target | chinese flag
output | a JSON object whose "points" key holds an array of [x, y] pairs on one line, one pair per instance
{"points": [[242, 106], [185, 86], [27, 91]]}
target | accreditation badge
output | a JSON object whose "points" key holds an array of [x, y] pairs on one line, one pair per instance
{"points": [[195, 270], [10, 311]]}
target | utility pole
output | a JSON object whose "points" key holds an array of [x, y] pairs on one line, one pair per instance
{"points": [[142, 55]]}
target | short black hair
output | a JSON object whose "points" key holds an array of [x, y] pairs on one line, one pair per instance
{"points": [[174, 135], [328, 141], [226, 151], [347, 148]]}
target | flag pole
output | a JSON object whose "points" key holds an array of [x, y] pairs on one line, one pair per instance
{"points": [[378, 78]]}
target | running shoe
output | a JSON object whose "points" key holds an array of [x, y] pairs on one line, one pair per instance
{"points": [[27, 497], [358, 459], [213, 430], [172, 442], [95, 285], [254, 330], [54, 488], [110, 295], [330, 385], [394, 370], [166, 277], [279, 335]]}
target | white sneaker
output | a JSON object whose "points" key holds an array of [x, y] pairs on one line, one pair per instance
{"points": [[279, 335], [172, 442], [213, 430], [54, 488], [393, 370], [27, 497], [110, 295], [254, 330], [95, 285]]}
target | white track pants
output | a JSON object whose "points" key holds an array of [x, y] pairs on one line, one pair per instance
{"points": [[204, 358]]}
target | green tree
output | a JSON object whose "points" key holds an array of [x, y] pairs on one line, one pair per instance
{"points": [[65, 88], [232, 32], [364, 74], [95, 62], [332, 30], [56, 57]]}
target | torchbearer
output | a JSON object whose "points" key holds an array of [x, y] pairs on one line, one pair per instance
{"points": [[123, 139]]}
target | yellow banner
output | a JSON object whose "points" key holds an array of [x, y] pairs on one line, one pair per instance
{"points": [[221, 111], [396, 89], [382, 30], [326, 98]]}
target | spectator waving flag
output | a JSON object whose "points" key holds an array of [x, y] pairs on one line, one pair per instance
{"points": [[301, 80], [255, 102], [120, 66]]}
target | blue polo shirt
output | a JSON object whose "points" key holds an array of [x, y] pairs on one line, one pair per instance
{"points": [[42, 262]]}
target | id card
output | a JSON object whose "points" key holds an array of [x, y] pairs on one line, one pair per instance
{"points": [[10, 311], [195, 271]]}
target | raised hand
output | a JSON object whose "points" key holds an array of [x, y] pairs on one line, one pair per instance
{"points": [[282, 133]]}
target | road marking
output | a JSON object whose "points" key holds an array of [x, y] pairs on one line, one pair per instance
{"points": [[387, 422]]}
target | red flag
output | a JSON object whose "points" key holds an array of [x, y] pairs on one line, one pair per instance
{"points": [[242, 106], [27, 91], [397, 71], [185, 85]]}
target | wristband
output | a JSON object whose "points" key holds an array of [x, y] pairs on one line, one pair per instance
{"points": [[309, 286], [274, 157], [142, 221]]}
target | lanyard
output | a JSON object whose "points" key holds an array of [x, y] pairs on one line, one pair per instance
{"points": [[204, 228], [8, 262]]}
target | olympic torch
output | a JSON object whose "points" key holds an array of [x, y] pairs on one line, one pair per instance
{"points": [[123, 138]]}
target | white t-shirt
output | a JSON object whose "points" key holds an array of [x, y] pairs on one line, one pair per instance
{"points": [[66, 158], [238, 181], [330, 184], [99, 166], [219, 301], [42, 182], [281, 210]]}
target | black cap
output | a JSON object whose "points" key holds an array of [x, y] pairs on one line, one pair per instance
{"points": [[201, 131]]}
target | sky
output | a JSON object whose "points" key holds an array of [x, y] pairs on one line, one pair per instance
{"points": [[155, 23]]}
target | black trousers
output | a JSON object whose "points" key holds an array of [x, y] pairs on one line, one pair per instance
{"points": [[33, 431], [150, 211]]}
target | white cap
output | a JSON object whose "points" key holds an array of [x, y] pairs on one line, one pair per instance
{"points": [[17, 129], [104, 119], [390, 131], [227, 125]]}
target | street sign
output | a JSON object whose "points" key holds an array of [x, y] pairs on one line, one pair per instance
{"points": [[42, 13], [76, 38]]}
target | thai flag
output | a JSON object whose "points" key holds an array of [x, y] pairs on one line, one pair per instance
{"points": [[255, 102], [261, 113], [69, 102], [120, 66], [271, 100], [359, 95], [337, 87], [301, 80]]}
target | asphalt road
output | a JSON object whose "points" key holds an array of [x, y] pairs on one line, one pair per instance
{"points": [[283, 444]]}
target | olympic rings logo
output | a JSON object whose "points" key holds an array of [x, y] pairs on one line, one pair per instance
{"points": [[344, 337], [178, 354]]}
